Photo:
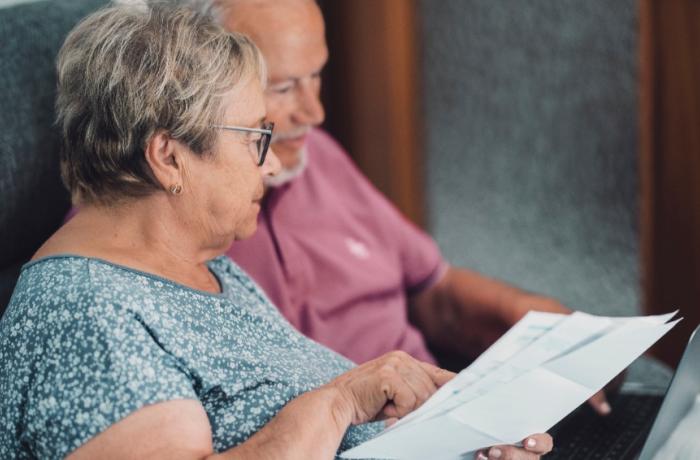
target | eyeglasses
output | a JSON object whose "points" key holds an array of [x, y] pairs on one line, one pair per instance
{"points": [[263, 142]]}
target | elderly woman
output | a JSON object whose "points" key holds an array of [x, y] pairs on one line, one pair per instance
{"points": [[126, 335]]}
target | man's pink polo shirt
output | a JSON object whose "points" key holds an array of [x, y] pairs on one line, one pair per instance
{"points": [[339, 260]]}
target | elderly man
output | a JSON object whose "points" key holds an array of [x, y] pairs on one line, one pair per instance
{"points": [[339, 261]]}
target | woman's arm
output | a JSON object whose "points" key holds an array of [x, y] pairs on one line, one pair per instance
{"points": [[177, 429], [310, 426]]}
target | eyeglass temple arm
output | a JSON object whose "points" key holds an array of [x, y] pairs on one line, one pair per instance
{"points": [[241, 128]]}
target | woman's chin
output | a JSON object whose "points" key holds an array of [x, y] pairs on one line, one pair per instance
{"points": [[246, 232]]}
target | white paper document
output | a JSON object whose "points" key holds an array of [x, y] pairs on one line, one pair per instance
{"points": [[538, 372]]}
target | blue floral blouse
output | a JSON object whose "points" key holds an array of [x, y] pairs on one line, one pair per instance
{"points": [[85, 342]]}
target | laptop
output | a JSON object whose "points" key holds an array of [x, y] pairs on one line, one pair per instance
{"points": [[640, 423]]}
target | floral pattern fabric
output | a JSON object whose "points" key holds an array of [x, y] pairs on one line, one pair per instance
{"points": [[85, 342]]}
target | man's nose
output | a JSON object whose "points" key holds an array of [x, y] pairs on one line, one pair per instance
{"points": [[309, 108]]}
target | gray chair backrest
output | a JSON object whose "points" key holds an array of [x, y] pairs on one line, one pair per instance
{"points": [[33, 201]]}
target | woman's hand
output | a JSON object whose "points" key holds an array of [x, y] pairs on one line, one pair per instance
{"points": [[388, 387], [533, 448]]}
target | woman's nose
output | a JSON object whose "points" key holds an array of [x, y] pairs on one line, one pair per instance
{"points": [[271, 166]]}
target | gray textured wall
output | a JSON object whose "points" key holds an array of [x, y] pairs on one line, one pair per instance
{"points": [[531, 111]]}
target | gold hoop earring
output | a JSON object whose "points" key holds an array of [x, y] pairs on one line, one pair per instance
{"points": [[176, 189]]}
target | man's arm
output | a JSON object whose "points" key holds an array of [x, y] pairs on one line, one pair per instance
{"points": [[465, 312]]}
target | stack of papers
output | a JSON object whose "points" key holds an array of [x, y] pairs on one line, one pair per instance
{"points": [[538, 372]]}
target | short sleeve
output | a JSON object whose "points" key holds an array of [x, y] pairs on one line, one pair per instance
{"points": [[421, 260], [419, 257], [94, 363]]}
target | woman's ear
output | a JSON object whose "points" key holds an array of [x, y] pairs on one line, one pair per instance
{"points": [[165, 156]]}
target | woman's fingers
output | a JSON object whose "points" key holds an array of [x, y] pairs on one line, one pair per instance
{"points": [[541, 443], [533, 448], [390, 386], [507, 453], [401, 396], [419, 379], [390, 421], [437, 375], [388, 412]]}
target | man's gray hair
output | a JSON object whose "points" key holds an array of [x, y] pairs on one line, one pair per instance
{"points": [[130, 70], [211, 8], [215, 9]]}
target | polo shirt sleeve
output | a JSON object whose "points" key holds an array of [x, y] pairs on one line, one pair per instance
{"points": [[421, 260], [91, 370]]}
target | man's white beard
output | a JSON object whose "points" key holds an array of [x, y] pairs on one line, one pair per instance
{"points": [[286, 175]]}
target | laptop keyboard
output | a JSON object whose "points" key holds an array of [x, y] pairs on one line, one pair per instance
{"points": [[584, 435]]}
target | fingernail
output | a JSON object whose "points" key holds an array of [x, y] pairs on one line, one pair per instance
{"points": [[481, 457], [495, 452], [605, 408], [531, 442]]}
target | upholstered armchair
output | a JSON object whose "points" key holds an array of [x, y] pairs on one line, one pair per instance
{"points": [[33, 202]]}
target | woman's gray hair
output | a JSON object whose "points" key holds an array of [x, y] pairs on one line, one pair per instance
{"points": [[130, 70]]}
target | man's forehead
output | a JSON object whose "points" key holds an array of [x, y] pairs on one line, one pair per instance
{"points": [[290, 34], [260, 18]]}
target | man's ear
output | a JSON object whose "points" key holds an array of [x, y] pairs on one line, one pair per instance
{"points": [[165, 157]]}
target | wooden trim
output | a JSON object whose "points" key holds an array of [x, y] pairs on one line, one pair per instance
{"points": [[670, 165], [372, 92], [646, 138]]}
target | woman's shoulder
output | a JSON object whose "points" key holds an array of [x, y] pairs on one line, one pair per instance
{"points": [[69, 285], [78, 352], [61, 273], [50, 280]]}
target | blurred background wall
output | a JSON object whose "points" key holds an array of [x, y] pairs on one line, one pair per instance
{"points": [[531, 144]]}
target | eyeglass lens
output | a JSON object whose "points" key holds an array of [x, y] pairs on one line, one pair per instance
{"points": [[264, 143]]}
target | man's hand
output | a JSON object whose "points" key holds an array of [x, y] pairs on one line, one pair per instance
{"points": [[465, 312], [599, 401]]}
